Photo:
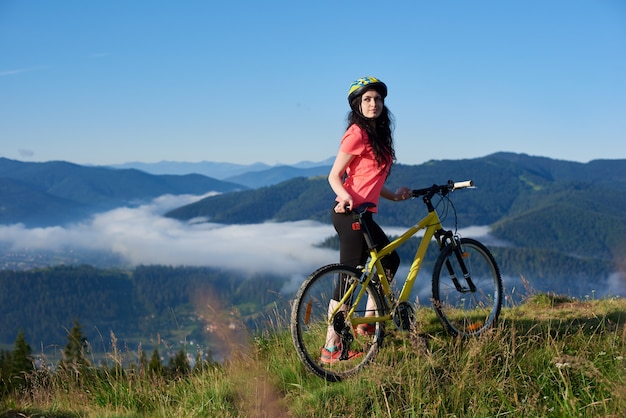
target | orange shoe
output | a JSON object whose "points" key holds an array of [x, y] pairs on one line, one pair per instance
{"points": [[332, 357], [366, 330]]}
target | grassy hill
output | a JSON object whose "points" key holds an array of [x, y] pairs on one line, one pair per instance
{"points": [[550, 356]]}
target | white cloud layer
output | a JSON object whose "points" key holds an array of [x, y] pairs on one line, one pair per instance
{"points": [[141, 235]]}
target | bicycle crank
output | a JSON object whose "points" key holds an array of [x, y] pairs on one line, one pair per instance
{"points": [[345, 334], [404, 316]]}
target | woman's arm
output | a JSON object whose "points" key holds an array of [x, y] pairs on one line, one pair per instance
{"points": [[402, 193], [335, 178]]}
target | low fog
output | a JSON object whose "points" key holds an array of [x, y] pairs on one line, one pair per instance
{"points": [[141, 235]]}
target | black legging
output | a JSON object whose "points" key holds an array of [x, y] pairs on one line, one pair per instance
{"points": [[353, 249]]}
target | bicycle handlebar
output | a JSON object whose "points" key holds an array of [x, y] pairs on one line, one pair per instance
{"points": [[463, 184], [427, 192], [444, 188]]}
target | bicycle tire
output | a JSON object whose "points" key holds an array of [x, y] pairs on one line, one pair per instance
{"points": [[465, 312], [309, 322]]}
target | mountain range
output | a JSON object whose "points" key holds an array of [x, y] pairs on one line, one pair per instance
{"points": [[557, 219], [252, 175], [58, 192], [559, 208]]}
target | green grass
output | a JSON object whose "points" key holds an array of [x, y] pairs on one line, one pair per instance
{"points": [[550, 357]]}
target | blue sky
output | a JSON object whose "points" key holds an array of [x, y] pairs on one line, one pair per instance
{"points": [[245, 81]]}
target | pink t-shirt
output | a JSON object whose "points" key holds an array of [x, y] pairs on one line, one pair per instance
{"points": [[365, 178]]}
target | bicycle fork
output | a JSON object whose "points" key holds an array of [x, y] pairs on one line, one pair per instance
{"points": [[460, 257]]}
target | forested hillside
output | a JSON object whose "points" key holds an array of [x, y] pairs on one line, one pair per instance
{"points": [[504, 183], [177, 305]]}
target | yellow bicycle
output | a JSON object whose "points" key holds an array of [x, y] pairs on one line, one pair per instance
{"points": [[466, 293]]}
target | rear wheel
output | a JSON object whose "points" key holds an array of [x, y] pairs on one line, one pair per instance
{"points": [[467, 288], [310, 320]]}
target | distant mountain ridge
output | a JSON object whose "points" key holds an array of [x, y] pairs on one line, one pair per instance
{"points": [[57, 192], [216, 170], [502, 179], [276, 175], [253, 175]]}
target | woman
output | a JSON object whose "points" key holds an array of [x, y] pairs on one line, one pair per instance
{"points": [[358, 175]]}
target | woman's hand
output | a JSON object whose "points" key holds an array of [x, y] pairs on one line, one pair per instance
{"points": [[403, 193], [344, 203]]}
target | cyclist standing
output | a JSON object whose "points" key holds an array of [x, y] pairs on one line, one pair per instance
{"points": [[358, 175]]}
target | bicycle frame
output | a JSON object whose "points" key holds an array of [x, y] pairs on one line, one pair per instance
{"points": [[431, 225]]}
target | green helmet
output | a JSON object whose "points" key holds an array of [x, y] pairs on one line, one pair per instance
{"points": [[366, 83]]}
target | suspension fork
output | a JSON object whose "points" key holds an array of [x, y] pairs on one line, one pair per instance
{"points": [[444, 237]]}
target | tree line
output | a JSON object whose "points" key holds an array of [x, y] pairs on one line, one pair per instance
{"points": [[19, 370], [176, 305]]}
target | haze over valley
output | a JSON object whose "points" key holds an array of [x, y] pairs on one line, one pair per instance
{"points": [[138, 233]]}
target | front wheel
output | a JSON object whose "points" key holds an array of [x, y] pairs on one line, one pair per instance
{"points": [[317, 318], [467, 288]]}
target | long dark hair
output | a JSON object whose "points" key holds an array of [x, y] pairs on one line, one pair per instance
{"points": [[378, 130]]}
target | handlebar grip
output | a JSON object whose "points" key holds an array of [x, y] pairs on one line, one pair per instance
{"points": [[463, 184]]}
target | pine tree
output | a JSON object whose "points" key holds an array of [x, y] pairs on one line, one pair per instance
{"points": [[143, 360], [5, 372], [76, 349], [22, 362], [179, 364], [155, 366], [199, 364]]}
